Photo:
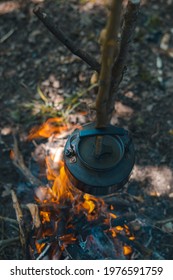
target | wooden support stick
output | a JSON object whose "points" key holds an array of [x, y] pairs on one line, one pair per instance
{"points": [[58, 33], [108, 55], [119, 67]]}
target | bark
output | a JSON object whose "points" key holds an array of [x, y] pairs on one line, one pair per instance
{"points": [[108, 55], [119, 65]]}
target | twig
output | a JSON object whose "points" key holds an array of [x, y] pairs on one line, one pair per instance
{"points": [[164, 221], [6, 36], [8, 220], [58, 33], [20, 220], [6, 242], [18, 161]]}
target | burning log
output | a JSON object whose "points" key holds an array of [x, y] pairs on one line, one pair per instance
{"points": [[145, 252], [118, 221]]}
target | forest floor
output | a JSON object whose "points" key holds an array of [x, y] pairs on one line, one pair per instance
{"points": [[33, 61]]}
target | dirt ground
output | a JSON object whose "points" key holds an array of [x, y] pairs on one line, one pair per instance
{"points": [[33, 62]]}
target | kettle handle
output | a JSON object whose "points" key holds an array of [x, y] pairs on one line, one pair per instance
{"points": [[103, 131]]}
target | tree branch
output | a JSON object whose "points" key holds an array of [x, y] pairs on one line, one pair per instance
{"points": [[108, 56], [58, 33], [119, 65]]}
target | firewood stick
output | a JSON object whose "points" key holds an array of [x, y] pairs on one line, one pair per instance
{"points": [[119, 221], [109, 50], [19, 216], [122, 220], [58, 33], [118, 69]]}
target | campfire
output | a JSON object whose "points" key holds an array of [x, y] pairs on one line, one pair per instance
{"points": [[64, 222], [81, 207], [78, 212], [73, 224]]}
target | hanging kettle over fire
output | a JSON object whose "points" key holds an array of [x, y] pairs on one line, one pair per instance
{"points": [[103, 174]]}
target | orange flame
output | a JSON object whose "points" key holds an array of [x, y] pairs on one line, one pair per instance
{"points": [[127, 250], [50, 127], [39, 247], [45, 216], [88, 204]]}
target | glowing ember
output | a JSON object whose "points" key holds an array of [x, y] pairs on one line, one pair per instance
{"points": [[45, 216], [65, 211], [127, 250], [12, 155]]}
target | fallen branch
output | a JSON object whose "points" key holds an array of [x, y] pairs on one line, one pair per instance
{"points": [[58, 33]]}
